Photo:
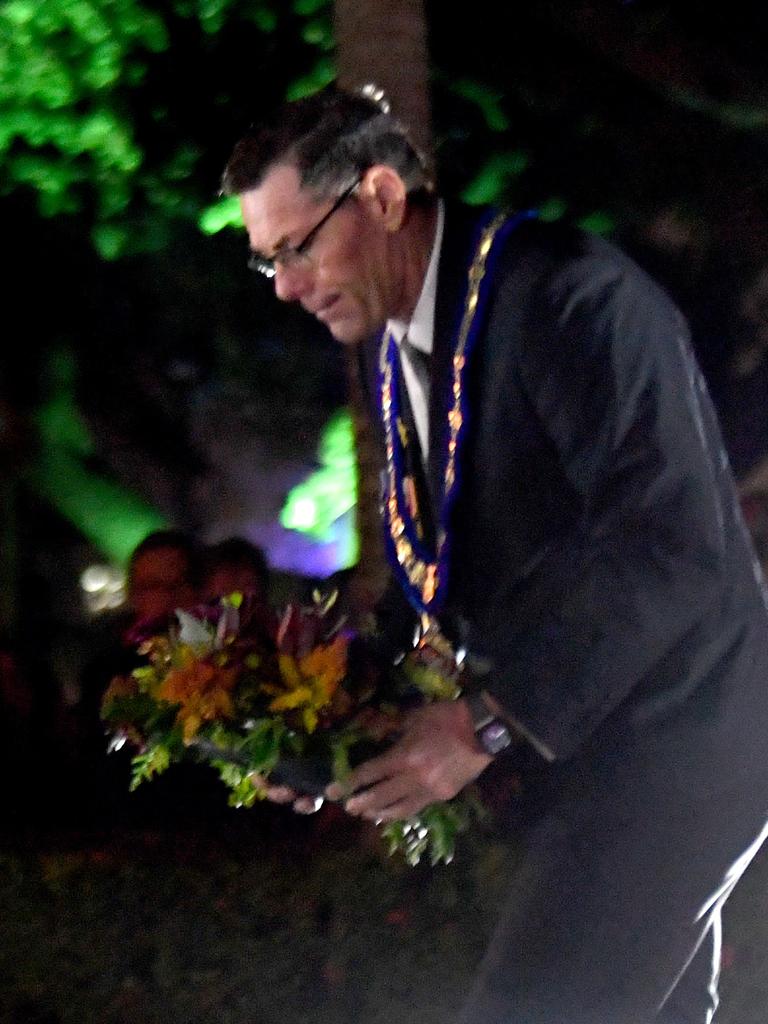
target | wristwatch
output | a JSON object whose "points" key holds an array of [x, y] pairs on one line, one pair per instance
{"points": [[492, 732]]}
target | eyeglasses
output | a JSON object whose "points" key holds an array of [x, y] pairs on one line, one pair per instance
{"points": [[292, 255]]}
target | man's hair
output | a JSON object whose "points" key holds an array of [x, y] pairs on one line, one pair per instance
{"points": [[235, 552], [330, 138], [175, 540]]}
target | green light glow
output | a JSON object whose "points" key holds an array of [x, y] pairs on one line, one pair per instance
{"points": [[265, 19], [316, 504], [304, 513], [113, 519]]}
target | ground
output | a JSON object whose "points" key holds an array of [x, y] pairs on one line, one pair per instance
{"points": [[261, 918]]}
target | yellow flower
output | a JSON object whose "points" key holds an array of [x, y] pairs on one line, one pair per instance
{"points": [[311, 681]]}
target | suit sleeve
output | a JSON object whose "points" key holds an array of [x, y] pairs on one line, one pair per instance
{"points": [[607, 368]]}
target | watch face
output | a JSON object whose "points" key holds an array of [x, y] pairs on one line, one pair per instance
{"points": [[494, 737]]}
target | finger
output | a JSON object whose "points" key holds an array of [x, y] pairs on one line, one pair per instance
{"points": [[400, 811], [374, 801], [359, 779], [281, 794], [371, 772], [337, 791], [308, 804], [276, 794]]}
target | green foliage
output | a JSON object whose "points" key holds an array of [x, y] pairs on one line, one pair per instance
{"points": [[321, 74], [342, 765], [432, 832], [261, 747], [145, 766], [136, 707], [92, 111], [257, 752], [488, 101], [222, 214], [494, 178], [62, 124]]}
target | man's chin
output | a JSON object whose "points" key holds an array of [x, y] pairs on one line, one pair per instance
{"points": [[347, 332]]}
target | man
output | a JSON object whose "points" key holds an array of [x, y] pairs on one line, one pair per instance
{"points": [[557, 495], [235, 565], [163, 574]]}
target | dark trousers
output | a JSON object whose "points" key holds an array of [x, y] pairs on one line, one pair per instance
{"points": [[613, 915]]}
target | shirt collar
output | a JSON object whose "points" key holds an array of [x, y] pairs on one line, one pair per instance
{"points": [[422, 323]]}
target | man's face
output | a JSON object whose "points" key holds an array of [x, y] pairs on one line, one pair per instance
{"points": [[159, 583], [350, 277], [234, 579]]}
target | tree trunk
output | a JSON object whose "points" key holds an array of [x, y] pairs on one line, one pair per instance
{"points": [[383, 42]]}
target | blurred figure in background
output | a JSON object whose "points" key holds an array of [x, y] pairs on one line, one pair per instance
{"points": [[235, 566], [164, 573]]}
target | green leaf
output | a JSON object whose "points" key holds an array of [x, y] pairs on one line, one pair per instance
{"points": [[432, 831], [488, 101], [242, 792], [153, 761], [138, 710]]}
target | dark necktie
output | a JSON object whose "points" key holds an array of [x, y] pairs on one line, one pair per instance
{"points": [[420, 363], [415, 467]]}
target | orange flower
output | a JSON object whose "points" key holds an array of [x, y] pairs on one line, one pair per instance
{"points": [[204, 692], [326, 665]]}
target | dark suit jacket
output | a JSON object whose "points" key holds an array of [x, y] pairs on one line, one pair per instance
{"points": [[601, 570], [606, 591]]}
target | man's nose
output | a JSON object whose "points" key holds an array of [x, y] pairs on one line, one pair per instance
{"points": [[291, 282]]}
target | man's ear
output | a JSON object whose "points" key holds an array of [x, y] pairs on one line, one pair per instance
{"points": [[384, 192]]}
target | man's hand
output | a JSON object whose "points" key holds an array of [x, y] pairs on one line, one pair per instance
{"points": [[286, 795], [436, 757]]}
